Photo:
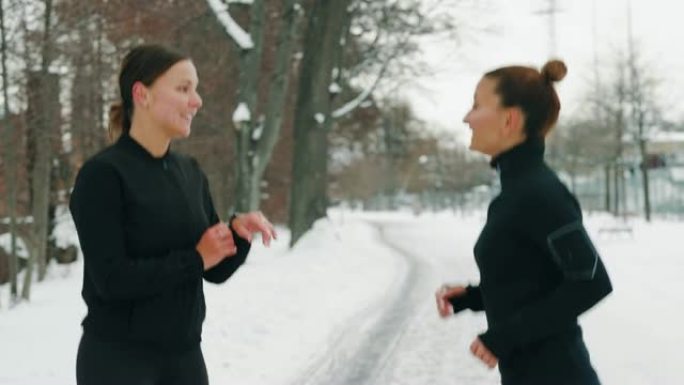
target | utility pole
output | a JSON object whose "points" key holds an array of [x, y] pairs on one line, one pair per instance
{"points": [[550, 12]]}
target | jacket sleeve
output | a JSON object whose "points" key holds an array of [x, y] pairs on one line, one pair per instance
{"points": [[96, 206], [221, 272], [557, 230], [472, 299]]}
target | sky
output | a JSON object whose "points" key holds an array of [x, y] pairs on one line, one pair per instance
{"points": [[355, 296], [521, 36]]}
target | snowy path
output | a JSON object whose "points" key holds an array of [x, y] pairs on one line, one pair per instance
{"points": [[402, 340], [368, 341]]}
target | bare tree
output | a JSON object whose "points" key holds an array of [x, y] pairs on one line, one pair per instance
{"points": [[375, 49], [383, 45], [578, 145], [308, 196], [258, 125], [87, 129], [644, 117], [247, 125], [44, 104], [10, 157], [263, 142]]}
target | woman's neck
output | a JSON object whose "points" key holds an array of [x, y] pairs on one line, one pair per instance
{"points": [[150, 137], [514, 142]]}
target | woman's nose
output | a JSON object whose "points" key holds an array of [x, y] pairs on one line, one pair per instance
{"points": [[196, 101]]}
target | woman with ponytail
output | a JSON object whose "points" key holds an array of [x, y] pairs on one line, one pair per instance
{"points": [[538, 268], [150, 234]]}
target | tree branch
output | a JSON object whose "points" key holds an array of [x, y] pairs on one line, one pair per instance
{"points": [[241, 38]]}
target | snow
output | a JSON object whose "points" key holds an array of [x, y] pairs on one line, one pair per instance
{"points": [[258, 131], [667, 136], [677, 174], [290, 316], [6, 244], [320, 118], [241, 115], [334, 88], [352, 104], [241, 38], [6, 220]]}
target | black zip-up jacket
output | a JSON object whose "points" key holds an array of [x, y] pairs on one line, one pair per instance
{"points": [[538, 270], [139, 219]]}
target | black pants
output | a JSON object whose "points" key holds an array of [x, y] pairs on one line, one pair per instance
{"points": [[559, 360], [108, 363]]}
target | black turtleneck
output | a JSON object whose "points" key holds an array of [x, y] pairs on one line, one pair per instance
{"points": [[538, 268], [139, 219]]}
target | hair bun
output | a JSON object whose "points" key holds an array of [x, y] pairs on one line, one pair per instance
{"points": [[554, 71]]}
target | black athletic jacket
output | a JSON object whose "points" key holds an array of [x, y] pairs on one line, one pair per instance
{"points": [[139, 219], [538, 270]]}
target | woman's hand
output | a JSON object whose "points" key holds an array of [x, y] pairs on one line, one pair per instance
{"points": [[216, 244], [480, 351], [254, 222], [442, 296]]}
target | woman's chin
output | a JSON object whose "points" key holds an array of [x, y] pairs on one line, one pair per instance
{"points": [[182, 132], [474, 147]]}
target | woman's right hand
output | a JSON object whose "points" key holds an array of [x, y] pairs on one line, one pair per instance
{"points": [[216, 244], [442, 296]]}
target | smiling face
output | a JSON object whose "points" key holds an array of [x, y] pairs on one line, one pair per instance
{"points": [[172, 100], [495, 128], [486, 118]]}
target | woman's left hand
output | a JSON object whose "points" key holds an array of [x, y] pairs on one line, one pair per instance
{"points": [[480, 351], [254, 222]]}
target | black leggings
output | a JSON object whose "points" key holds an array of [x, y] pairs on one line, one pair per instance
{"points": [[106, 363], [559, 360]]}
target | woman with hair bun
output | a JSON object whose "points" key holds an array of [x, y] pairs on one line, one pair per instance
{"points": [[150, 234], [538, 267]]}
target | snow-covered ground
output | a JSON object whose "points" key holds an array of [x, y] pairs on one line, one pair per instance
{"points": [[358, 290]]}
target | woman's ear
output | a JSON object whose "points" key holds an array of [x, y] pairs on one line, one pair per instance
{"points": [[140, 94], [515, 122]]}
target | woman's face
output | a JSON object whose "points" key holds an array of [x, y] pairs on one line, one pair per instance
{"points": [[172, 100], [487, 119]]}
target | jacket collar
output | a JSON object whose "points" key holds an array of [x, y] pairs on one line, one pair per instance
{"points": [[519, 159], [130, 144]]}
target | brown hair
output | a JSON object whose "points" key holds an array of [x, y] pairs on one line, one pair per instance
{"points": [[533, 92], [144, 63]]}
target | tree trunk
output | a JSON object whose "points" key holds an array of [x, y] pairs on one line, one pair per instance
{"points": [[10, 146], [275, 101], [250, 66], [44, 109], [644, 175], [88, 133], [617, 189], [308, 197], [607, 176]]}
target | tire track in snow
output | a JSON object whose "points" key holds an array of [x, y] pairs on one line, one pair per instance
{"points": [[361, 350]]}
